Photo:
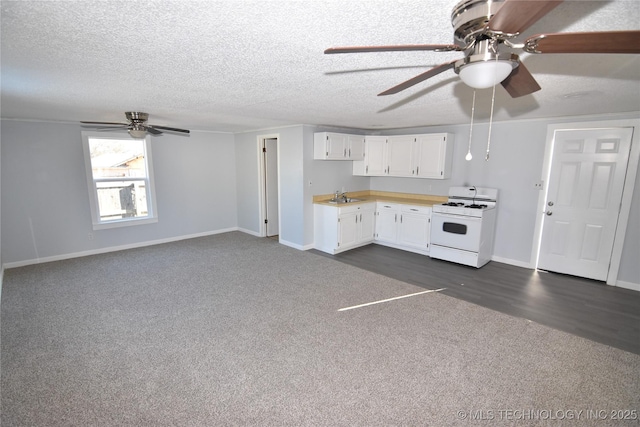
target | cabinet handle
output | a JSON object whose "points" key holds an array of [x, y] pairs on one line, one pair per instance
{"points": [[415, 210], [349, 152], [356, 219], [360, 217], [400, 219], [396, 218], [345, 153], [367, 170], [418, 170]]}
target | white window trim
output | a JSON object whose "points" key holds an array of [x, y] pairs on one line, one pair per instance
{"points": [[93, 198]]}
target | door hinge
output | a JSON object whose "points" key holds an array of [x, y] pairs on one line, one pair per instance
{"points": [[264, 149], [266, 221]]}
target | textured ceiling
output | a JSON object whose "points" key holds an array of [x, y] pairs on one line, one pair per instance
{"points": [[246, 65]]}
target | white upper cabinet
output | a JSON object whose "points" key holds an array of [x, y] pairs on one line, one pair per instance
{"points": [[337, 146], [355, 150], [432, 155], [375, 157], [400, 155], [415, 156]]}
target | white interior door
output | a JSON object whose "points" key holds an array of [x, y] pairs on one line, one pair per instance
{"points": [[271, 185], [583, 200]]}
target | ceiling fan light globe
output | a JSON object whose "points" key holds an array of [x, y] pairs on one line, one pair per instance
{"points": [[136, 133], [482, 75]]}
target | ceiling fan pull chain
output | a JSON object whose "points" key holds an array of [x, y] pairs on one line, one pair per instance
{"points": [[493, 99], [468, 157]]}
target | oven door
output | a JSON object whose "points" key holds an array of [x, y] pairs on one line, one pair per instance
{"points": [[456, 231]]}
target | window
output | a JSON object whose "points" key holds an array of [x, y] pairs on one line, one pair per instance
{"points": [[120, 179]]}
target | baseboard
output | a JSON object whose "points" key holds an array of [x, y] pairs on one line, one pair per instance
{"points": [[513, 262], [293, 245], [628, 285], [114, 248], [247, 231]]}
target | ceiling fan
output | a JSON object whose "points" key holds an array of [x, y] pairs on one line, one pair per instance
{"points": [[482, 29], [137, 125]]}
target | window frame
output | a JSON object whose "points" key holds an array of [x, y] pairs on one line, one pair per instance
{"points": [[152, 211]]}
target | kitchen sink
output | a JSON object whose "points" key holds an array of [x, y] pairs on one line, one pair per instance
{"points": [[347, 200]]}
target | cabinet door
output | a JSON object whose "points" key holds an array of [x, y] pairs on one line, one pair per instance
{"points": [[375, 155], [348, 229], [434, 154], [356, 147], [387, 223], [400, 156], [367, 225], [336, 146], [414, 229]]}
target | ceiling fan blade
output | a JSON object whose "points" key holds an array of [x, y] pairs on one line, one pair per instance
{"points": [[419, 78], [106, 123], [515, 16], [152, 131], [396, 48], [520, 82], [168, 128], [595, 42]]}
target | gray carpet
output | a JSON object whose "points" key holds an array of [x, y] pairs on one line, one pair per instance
{"points": [[236, 330]]}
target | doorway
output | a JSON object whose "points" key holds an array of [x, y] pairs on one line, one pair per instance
{"points": [[268, 154], [584, 210]]}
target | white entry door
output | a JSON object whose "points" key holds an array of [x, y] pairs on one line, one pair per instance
{"points": [[586, 180]]}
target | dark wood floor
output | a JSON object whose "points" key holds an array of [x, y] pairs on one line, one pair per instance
{"points": [[587, 308]]}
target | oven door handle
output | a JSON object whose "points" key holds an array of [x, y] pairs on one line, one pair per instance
{"points": [[455, 217]]}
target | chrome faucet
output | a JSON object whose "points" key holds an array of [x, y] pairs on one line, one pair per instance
{"points": [[338, 195]]}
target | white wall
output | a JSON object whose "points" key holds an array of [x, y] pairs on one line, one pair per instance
{"points": [[45, 202], [291, 179]]}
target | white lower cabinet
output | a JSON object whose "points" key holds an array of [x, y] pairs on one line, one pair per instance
{"points": [[387, 222], [415, 223], [337, 229], [403, 226]]}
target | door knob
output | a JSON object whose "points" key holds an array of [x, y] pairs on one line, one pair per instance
{"points": [[550, 203], [549, 213]]}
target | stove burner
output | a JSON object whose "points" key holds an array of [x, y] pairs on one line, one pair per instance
{"points": [[474, 206], [452, 204]]}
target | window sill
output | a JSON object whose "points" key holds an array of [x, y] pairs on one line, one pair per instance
{"points": [[124, 223]]}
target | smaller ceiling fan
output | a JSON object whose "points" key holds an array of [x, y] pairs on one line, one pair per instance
{"points": [[137, 125]]}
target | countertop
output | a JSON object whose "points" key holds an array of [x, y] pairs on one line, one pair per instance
{"points": [[368, 196]]}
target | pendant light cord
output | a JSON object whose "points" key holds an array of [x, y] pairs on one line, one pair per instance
{"points": [[473, 109], [493, 99]]}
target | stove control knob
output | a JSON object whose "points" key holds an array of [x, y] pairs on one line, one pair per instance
{"points": [[549, 213]]}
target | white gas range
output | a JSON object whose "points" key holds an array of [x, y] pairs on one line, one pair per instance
{"points": [[462, 229]]}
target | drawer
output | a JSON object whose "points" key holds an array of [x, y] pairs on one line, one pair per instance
{"points": [[353, 208], [416, 209], [388, 206]]}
